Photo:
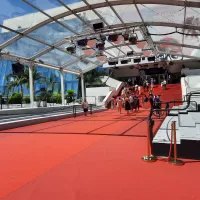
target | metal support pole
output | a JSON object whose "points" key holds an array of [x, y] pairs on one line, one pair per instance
{"points": [[150, 157], [82, 87], [62, 86], [175, 161], [31, 86], [1, 100]]}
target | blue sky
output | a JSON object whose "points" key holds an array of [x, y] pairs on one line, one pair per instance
{"points": [[15, 8]]}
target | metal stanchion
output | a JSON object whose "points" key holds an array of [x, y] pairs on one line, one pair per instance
{"points": [[175, 161], [1, 99], [91, 109], [150, 157]]}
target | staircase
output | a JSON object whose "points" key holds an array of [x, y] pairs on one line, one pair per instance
{"points": [[116, 88]]}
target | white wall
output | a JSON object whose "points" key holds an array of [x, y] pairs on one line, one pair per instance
{"points": [[96, 92]]}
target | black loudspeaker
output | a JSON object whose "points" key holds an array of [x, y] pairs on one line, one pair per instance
{"points": [[71, 49], [82, 43], [126, 36], [113, 62], [130, 53], [100, 46], [17, 69], [143, 58], [113, 38], [124, 61], [137, 60], [98, 26], [151, 59]]}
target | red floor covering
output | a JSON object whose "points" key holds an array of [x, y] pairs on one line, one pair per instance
{"points": [[90, 158]]}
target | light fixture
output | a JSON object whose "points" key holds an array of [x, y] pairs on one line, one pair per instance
{"points": [[133, 39], [113, 37], [98, 26], [151, 59], [71, 49], [137, 60], [124, 61], [129, 53], [82, 42], [100, 46], [126, 36]]}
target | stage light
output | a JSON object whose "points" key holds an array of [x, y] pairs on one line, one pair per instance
{"points": [[133, 39], [113, 37], [100, 46], [124, 61], [129, 53], [98, 26], [137, 60], [40, 61], [18, 69], [82, 42], [151, 59], [103, 38], [126, 36], [113, 62], [71, 49]]}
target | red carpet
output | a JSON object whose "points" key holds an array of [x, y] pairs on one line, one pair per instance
{"points": [[95, 157]]}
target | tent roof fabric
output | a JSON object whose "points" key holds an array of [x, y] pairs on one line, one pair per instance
{"points": [[39, 32]]}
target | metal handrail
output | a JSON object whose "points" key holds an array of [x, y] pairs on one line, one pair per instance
{"points": [[176, 109]]}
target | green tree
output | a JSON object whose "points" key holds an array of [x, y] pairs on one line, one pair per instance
{"points": [[36, 76], [16, 80]]}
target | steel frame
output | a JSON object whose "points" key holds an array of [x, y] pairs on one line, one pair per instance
{"points": [[92, 7]]}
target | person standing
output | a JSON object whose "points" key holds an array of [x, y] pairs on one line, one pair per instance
{"points": [[127, 105], [112, 103], [119, 105], [85, 106], [131, 102]]}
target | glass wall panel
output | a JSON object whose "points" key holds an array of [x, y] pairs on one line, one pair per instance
{"points": [[128, 13], [51, 33], [173, 38], [108, 15], [162, 13], [25, 47], [18, 15], [56, 58]]}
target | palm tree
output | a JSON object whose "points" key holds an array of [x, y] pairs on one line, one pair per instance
{"points": [[36, 76], [17, 80]]}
